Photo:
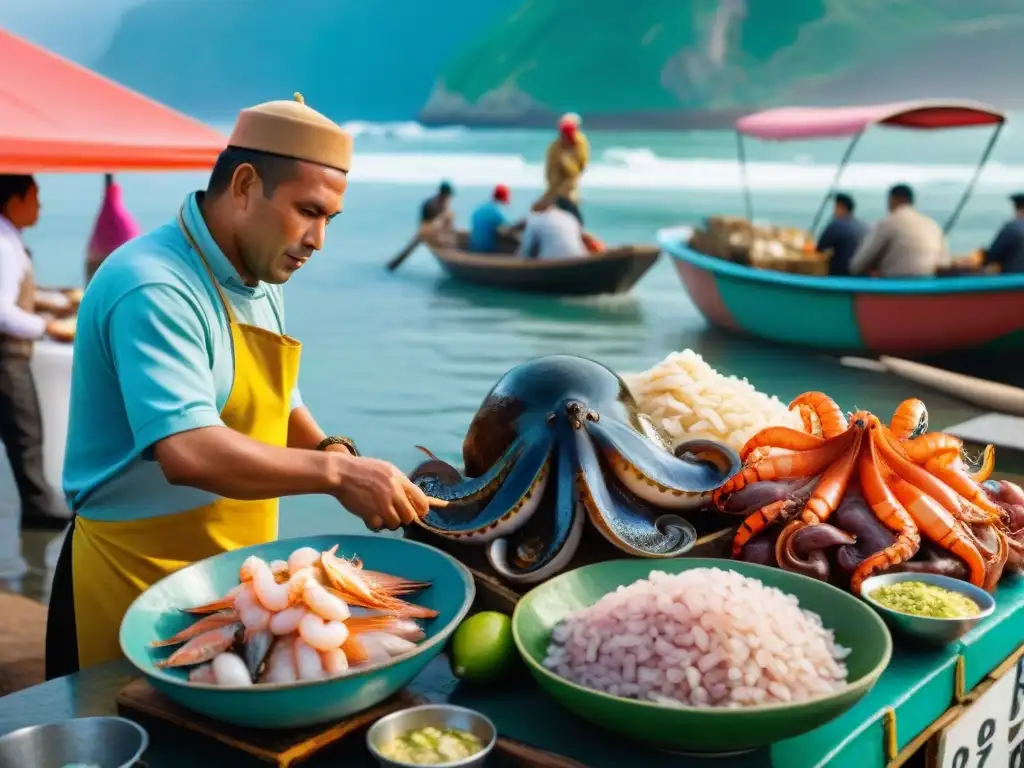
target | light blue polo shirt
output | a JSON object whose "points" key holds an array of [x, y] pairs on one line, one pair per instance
{"points": [[153, 357]]}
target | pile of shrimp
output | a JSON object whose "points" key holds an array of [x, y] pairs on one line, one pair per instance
{"points": [[296, 619]]}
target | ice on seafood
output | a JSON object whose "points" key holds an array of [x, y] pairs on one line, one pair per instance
{"points": [[291, 620]]}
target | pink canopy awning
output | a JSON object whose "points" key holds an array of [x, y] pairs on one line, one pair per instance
{"points": [[794, 123]]}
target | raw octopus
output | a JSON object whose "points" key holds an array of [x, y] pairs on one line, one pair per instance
{"points": [[294, 620]]}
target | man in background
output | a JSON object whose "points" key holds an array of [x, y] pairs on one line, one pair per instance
{"points": [[843, 235], [566, 160], [906, 243], [21, 427], [488, 220], [552, 232], [437, 219], [1007, 250]]}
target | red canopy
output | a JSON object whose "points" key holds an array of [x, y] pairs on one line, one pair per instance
{"points": [[57, 116], [788, 123]]}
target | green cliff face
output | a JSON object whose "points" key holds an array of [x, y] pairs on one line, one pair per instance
{"points": [[606, 57]]}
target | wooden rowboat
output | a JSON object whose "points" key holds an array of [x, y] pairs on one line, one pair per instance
{"points": [[615, 271]]}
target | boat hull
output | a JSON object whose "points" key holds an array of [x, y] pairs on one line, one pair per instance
{"points": [[615, 271], [902, 317]]}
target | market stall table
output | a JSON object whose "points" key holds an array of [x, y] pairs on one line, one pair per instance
{"points": [[917, 689]]}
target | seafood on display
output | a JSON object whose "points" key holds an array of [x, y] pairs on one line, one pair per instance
{"points": [[313, 616], [871, 497]]}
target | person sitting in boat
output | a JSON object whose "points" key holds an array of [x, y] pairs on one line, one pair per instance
{"points": [[489, 221], [566, 160], [842, 236], [906, 243], [552, 232], [1006, 254], [437, 219]]}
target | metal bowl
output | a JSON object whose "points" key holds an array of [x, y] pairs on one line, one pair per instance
{"points": [[106, 742], [926, 629], [440, 716]]}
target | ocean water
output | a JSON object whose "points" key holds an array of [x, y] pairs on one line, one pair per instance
{"points": [[402, 359]]}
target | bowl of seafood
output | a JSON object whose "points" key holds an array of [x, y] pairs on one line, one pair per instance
{"points": [[928, 607], [297, 632], [700, 656]]}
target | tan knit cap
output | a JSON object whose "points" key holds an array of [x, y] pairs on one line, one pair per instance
{"points": [[292, 129]]}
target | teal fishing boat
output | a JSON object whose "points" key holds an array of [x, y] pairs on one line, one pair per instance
{"points": [[909, 317]]}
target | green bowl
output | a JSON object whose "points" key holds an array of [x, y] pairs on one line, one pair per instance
{"points": [[691, 729], [156, 614]]}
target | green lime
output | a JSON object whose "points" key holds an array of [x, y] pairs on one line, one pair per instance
{"points": [[482, 648]]}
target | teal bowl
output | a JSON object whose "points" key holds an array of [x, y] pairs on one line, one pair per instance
{"points": [[695, 730], [156, 614]]}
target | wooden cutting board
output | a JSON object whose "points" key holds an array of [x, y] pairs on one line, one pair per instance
{"points": [[287, 748]]}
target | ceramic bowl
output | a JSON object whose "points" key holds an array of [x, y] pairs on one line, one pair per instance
{"points": [[439, 716], [156, 614], [112, 742], [924, 628], [696, 730]]}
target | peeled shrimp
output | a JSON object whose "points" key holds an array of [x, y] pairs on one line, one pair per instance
{"points": [[211, 621], [270, 594], [320, 634], [229, 669], [203, 647], [287, 621], [281, 662], [253, 615], [308, 663], [335, 662], [323, 603], [280, 570], [202, 674], [303, 557]]}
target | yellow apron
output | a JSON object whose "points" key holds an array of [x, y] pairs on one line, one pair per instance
{"points": [[114, 562]]}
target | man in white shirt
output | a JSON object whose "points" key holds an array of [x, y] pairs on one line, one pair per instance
{"points": [[552, 232], [20, 423], [906, 243]]}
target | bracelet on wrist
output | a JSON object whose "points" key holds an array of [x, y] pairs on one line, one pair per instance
{"points": [[334, 440]]}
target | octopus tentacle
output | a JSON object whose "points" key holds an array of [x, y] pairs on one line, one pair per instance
{"points": [[799, 547], [820, 413], [957, 479], [940, 526], [627, 522], [538, 554], [909, 420], [433, 481], [702, 467], [781, 437], [756, 495], [511, 506], [890, 512], [856, 517]]}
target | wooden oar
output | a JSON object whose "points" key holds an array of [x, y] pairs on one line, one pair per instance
{"points": [[403, 254]]}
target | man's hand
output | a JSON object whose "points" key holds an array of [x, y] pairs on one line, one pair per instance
{"points": [[61, 330], [379, 494]]}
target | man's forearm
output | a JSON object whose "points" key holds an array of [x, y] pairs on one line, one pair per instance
{"points": [[225, 462], [303, 431]]}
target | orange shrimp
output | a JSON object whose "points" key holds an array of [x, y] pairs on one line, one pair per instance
{"points": [[833, 483], [820, 413], [892, 453], [890, 513], [392, 585], [211, 621], [781, 437], [910, 416], [203, 647], [957, 479], [936, 523], [788, 465], [930, 445], [221, 604], [355, 590]]}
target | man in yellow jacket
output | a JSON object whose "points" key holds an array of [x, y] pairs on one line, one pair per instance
{"points": [[567, 158]]}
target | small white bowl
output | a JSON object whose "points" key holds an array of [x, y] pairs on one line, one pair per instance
{"points": [[439, 716]]}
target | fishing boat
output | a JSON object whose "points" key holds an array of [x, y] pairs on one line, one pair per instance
{"points": [[613, 271], [908, 317]]}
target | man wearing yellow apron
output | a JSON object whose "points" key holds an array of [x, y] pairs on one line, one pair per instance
{"points": [[186, 422]]}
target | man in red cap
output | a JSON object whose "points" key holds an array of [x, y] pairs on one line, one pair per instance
{"points": [[488, 221], [566, 160]]}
